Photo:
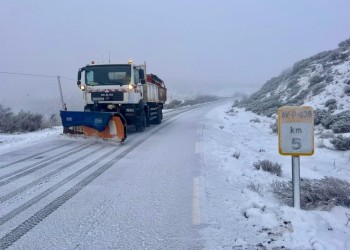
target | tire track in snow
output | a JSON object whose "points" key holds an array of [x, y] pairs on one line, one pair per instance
{"points": [[35, 155], [39, 165], [45, 177], [89, 226], [39, 216], [37, 198]]}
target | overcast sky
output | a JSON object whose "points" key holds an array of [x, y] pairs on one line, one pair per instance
{"points": [[192, 45]]}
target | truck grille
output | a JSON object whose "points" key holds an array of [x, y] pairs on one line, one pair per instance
{"points": [[109, 96]]}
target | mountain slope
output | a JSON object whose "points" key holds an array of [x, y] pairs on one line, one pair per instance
{"points": [[322, 81]]}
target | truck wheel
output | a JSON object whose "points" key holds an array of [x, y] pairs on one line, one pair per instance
{"points": [[148, 122], [159, 118], [65, 130], [141, 122]]}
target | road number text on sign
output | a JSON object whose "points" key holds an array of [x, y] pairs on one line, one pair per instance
{"points": [[296, 130]]}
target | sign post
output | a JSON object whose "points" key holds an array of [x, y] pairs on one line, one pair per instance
{"points": [[296, 181], [296, 138]]}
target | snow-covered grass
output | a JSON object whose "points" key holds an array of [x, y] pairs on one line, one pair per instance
{"points": [[239, 207]]}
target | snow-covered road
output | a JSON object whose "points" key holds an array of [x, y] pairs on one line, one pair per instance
{"points": [[68, 193]]}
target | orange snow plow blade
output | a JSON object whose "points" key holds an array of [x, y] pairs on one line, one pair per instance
{"points": [[114, 129], [94, 124]]}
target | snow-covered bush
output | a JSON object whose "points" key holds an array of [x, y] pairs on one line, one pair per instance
{"points": [[232, 111], [268, 107], [268, 166], [341, 143], [6, 120], [293, 82], [299, 67], [236, 154], [315, 194], [172, 104], [28, 122], [255, 120], [255, 187], [327, 121], [320, 114], [235, 104], [341, 126], [24, 121], [330, 102], [326, 134], [329, 78], [344, 45], [294, 89], [274, 127], [318, 88], [317, 78], [302, 95], [347, 89], [337, 122], [332, 107], [341, 122]]}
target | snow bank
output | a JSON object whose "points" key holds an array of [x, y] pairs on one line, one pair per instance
{"points": [[238, 208]]}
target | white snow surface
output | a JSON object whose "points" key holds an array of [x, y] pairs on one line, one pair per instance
{"points": [[232, 215], [9, 142], [230, 200]]}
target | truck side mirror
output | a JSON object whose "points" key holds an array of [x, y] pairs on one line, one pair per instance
{"points": [[79, 76]]}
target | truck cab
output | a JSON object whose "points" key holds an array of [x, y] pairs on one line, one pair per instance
{"points": [[123, 88]]}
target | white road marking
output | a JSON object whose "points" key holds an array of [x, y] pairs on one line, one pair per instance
{"points": [[196, 212]]}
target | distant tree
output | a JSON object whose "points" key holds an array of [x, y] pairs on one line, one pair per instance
{"points": [[24, 121], [6, 120], [28, 122]]}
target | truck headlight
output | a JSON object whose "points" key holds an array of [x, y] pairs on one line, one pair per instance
{"points": [[131, 87], [82, 87]]}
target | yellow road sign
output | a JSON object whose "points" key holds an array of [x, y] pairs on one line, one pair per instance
{"points": [[296, 130]]}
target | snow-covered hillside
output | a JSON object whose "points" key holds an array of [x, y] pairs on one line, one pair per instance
{"points": [[312, 81]]}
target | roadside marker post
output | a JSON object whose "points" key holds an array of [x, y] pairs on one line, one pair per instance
{"points": [[296, 138]]}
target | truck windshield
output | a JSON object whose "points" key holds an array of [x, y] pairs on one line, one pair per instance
{"points": [[108, 75]]}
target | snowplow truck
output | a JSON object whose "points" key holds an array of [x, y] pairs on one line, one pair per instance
{"points": [[124, 91]]}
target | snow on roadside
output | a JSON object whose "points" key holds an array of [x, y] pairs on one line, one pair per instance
{"points": [[10, 142], [238, 209]]}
